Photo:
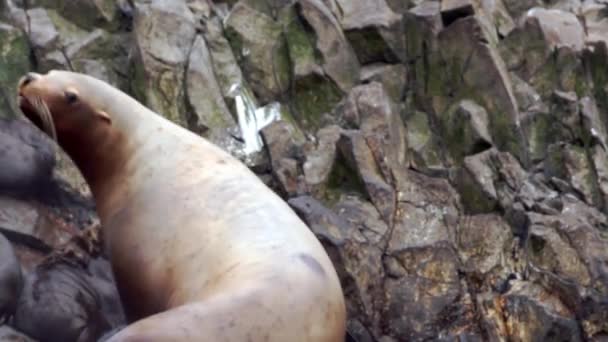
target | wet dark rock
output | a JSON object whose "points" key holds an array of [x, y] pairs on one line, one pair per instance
{"points": [[71, 294], [9, 334], [27, 157], [60, 303], [11, 280]]}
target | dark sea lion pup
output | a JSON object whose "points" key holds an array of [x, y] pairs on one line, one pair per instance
{"points": [[201, 249]]}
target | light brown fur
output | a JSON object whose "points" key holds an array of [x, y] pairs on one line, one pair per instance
{"points": [[201, 249]]}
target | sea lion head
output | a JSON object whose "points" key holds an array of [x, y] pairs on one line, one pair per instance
{"points": [[62, 102]]}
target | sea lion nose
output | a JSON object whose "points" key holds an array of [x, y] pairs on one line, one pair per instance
{"points": [[27, 79]]}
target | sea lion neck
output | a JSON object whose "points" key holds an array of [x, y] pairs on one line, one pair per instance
{"points": [[103, 155]]}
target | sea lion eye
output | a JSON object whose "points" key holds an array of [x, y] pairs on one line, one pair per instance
{"points": [[71, 96]]}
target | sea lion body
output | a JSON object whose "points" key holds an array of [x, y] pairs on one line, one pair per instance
{"points": [[201, 249]]}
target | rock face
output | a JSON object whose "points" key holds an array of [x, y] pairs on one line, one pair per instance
{"points": [[11, 280], [27, 158], [450, 155]]}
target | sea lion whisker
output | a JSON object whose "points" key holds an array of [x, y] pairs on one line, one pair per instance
{"points": [[45, 116]]}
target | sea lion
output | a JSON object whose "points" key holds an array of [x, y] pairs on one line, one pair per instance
{"points": [[201, 249], [11, 280]]}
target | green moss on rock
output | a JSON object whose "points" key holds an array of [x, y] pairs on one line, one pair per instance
{"points": [[14, 62], [314, 96]]}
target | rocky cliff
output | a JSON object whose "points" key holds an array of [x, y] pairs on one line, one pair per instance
{"points": [[451, 155]]}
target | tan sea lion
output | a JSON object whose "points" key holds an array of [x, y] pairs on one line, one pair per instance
{"points": [[201, 249]]}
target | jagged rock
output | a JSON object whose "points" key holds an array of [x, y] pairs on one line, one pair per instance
{"points": [[41, 30], [543, 51], [600, 163], [14, 62], [429, 13], [320, 161], [595, 22], [260, 50], [537, 127], [568, 258], [465, 129], [107, 14], [369, 108], [484, 243], [572, 6], [518, 7], [500, 20], [164, 32], [593, 127], [11, 280], [359, 156], [313, 92], [284, 148], [559, 28], [473, 66], [422, 23], [392, 76], [527, 97], [489, 179], [225, 66], [27, 158], [210, 115], [339, 60], [59, 44], [423, 291], [425, 149], [373, 29], [570, 163], [531, 313], [426, 215], [400, 6]]}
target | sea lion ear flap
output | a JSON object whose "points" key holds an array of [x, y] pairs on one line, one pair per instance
{"points": [[104, 116]]}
